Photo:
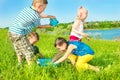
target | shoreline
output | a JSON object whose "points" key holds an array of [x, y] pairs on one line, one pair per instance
{"points": [[103, 29]]}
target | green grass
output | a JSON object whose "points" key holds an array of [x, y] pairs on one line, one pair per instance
{"points": [[107, 55]]}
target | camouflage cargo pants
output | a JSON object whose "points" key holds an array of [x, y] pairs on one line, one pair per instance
{"points": [[22, 46]]}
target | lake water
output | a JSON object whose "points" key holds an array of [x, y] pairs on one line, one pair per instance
{"points": [[104, 34]]}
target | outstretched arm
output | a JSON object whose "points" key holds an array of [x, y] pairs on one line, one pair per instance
{"points": [[41, 55], [68, 52], [45, 26], [46, 16], [56, 57]]}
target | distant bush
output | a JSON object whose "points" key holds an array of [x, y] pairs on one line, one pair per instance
{"points": [[65, 28], [62, 30], [102, 25]]}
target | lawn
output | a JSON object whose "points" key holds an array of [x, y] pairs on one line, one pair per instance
{"points": [[107, 57]]}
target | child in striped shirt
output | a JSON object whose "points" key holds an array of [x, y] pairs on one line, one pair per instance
{"points": [[28, 19]]}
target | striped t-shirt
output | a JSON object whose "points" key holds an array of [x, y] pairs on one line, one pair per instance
{"points": [[25, 22]]}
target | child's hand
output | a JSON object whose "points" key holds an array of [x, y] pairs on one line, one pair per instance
{"points": [[55, 64], [46, 16], [50, 16], [85, 36], [88, 38]]}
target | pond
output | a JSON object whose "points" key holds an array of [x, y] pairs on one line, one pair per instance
{"points": [[104, 34]]}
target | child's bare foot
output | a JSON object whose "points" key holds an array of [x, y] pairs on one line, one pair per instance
{"points": [[94, 68], [97, 69]]}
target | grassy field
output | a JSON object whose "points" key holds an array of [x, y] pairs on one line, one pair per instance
{"points": [[107, 57]]}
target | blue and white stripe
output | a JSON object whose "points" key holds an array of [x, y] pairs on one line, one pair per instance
{"points": [[25, 22]]}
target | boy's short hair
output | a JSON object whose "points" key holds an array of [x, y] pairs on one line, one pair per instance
{"points": [[35, 34], [39, 1]]}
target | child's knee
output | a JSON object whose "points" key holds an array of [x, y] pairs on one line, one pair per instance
{"points": [[80, 66]]}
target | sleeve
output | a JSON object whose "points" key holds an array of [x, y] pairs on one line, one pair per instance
{"points": [[36, 49], [37, 22]]}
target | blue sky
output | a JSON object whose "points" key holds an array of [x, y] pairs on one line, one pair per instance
{"points": [[64, 10]]}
